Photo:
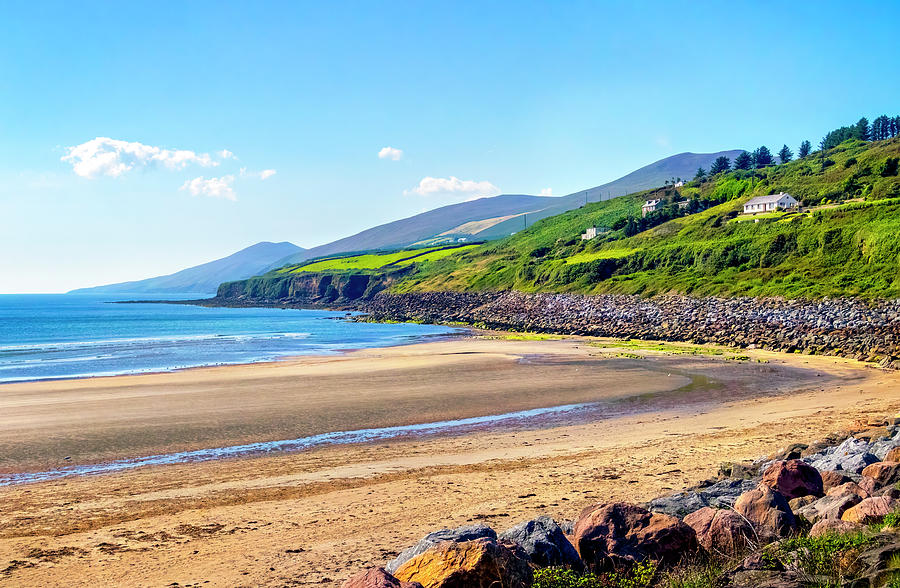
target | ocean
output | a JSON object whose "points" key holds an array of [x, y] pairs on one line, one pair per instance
{"points": [[54, 336]]}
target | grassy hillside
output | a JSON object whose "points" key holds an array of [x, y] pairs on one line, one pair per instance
{"points": [[373, 262], [847, 243]]}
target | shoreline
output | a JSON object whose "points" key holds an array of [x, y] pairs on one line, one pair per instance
{"points": [[463, 331], [29, 410]]}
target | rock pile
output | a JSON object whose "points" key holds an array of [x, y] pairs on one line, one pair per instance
{"points": [[845, 327], [776, 499]]}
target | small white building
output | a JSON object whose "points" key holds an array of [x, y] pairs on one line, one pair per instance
{"points": [[589, 234], [679, 183], [780, 201], [649, 206]]}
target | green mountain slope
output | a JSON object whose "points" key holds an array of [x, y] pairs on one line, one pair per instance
{"points": [[845, 243]]}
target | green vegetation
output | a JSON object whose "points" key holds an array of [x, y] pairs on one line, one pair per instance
{"points": [[830, 559], [663, 347], [843, 243], [697, 575], [641, 575], [374, 261]]}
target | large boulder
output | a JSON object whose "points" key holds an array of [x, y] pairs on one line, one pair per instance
{"points": [[828, 507], [544, 542], [482, 563], [722, 494], [768, 512], [832, 479], [720, 531], [793, 451], [793, 479], [834, 527], [848, 488], [465, 533], [884, 473], [616, 535], [798, 503], [870, 510], [377, 578], [851, 456], [893, 454]]}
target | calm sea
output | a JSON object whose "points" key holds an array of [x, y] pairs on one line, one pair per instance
{"points": [[52, 336]]}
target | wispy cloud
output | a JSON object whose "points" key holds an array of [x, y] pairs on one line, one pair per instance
{"points": [[103, 156], [390, 153], [263, 175], [226, 154], [547, 192], [453, 186], [212, 187]]}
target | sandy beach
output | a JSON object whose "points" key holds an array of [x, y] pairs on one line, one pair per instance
{"points": [[665, 421]]}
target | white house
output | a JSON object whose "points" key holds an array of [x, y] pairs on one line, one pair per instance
{"points": [[589, 234], [779, 201], [649, 206]]}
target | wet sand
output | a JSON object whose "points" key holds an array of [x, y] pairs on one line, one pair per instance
{"points": [[314, 517]]}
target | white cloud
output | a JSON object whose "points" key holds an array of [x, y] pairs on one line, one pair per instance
{"points": [[226, 154], [103, 156], [453, 186], [390, 153], [213, 187], [263, 175], [547, 192]]}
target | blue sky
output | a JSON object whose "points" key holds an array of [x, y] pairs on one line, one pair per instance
{"points": [[200, 99]]}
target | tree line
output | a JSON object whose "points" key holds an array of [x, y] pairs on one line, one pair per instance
{"points": [[883, 127]]}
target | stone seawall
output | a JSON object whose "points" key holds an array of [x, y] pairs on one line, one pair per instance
{"points": [[844, 327]]}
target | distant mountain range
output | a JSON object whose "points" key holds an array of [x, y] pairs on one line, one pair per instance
{"points": [[485, 218], [205, 278]]}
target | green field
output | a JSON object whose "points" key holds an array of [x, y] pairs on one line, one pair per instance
{"points": [[594, 255], [375, 261]]}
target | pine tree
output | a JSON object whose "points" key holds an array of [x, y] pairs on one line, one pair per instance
{"points": [[762, 157], [701, 173], [743, 161], [721, 164], [785, 154], [804, 149], [881, 128], [861, 129]]}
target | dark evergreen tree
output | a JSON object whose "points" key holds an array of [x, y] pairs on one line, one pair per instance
{"points": [[861, 129], [721, 164], [743, 161], [804, 149], [785, 154], [881, 128], [632, 227], [762, 157], [701, 173], [889, 167]]}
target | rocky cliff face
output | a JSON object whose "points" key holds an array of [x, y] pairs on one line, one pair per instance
{"points": [[305, 289]]}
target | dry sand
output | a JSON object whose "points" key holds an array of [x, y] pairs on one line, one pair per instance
{"points": [[315, 517]]}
